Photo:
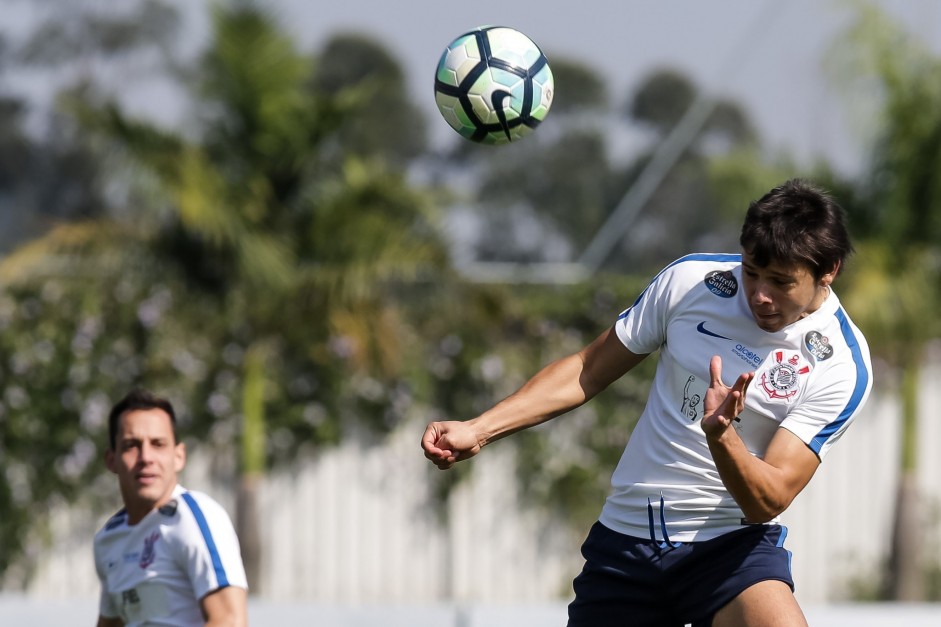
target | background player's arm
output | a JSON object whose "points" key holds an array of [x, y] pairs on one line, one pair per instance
{"points": [[105, 621], [226, 607], [559, 387], [762, 487]]}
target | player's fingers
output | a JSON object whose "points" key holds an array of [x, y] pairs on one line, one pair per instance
{"points": [[742, 382], [442, 459], [715, 370], [437, 454], [431, 437]]}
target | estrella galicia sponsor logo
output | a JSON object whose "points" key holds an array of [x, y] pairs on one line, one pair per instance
{"points": [[818, 345], [747, 355], [721, 283]]}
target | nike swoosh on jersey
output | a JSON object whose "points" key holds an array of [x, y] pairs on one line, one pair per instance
{"points": [[701, 327]]}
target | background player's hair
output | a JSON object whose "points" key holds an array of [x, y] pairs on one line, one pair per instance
{"points": [[797, 222], [134, 400]]}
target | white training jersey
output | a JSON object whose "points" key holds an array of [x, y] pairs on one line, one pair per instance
{"points": [[811, 377], [157, 571]]}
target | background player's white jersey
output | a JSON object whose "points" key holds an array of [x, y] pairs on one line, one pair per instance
{"points": [[812, 378], [155, 572]]}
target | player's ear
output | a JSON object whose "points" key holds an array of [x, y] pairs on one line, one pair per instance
{"points": [[179, 456], [828, 277], [109, 460]]}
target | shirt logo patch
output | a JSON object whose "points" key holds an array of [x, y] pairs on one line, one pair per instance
{"points": [[147, 557], [818, 345], [701, 327], [782, 379], [169, 509], [691, 400], [721, 283]]}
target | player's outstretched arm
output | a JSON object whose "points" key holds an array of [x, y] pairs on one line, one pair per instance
{"points": [[556, 389], [763, 488], [226, 607]]}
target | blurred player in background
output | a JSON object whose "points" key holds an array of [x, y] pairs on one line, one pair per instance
{"points": [[171, 556], [689, 532]]}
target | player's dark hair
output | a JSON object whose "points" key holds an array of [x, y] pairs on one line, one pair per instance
{"points": [[134, 400], [797, 222]]}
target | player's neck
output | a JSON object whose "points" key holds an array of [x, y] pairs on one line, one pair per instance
{"points": [[823, 292], [139, 510]]}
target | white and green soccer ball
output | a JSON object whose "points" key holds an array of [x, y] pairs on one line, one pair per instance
{"points": [[493, 85]]}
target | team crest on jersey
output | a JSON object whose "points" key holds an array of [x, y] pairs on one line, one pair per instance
{"points": [[819, 345], [149, 553], [721, 283], [782, 379]]}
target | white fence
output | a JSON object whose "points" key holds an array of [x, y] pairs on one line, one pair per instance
{"points": [[354, 526]]}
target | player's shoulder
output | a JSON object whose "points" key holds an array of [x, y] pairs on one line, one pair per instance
{"points": [[200, 505], [699, 264], [846, 341], [117, 521], [718, 272], [707, 260]]}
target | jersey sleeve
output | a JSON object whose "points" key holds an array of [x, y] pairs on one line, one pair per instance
{"points": [[210, 549], [642, 328], [836, 398]]}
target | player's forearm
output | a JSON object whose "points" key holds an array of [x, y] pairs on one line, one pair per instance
{"points": [[757, 487], [556, 389]]}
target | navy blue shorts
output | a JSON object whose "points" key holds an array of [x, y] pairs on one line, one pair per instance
{"points": [[637, 582]]}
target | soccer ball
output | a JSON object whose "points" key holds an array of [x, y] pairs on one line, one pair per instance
{"points": [[493, 85]]}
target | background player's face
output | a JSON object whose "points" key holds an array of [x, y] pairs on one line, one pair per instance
{"points": [[146, 460], [779, 294]]}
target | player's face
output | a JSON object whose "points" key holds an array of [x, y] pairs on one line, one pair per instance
{"points": [[779, 294], [146, 460]]}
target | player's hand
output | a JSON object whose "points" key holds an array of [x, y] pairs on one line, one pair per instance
{"points": [[446, 443], [723, 404]]}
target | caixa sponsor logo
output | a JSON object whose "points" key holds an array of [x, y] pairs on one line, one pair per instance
{"points": [[747, 355]]}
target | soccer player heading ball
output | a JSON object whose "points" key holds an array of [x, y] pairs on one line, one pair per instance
{"points": [[689, 532]]}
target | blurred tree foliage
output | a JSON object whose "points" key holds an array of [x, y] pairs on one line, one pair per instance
{"points": [[262, 235], [562, 184], [269, 267], [272, 267], [895, 280]]}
